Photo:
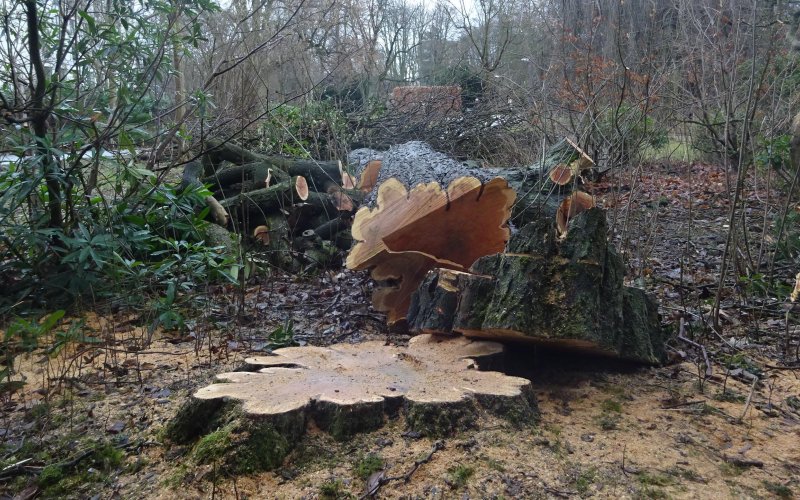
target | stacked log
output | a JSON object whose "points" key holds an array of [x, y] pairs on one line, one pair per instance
{"points": [[301, 210], [298, 210]]}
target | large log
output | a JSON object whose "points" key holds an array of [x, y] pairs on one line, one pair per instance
{"points": [[415, 163], [410, 232], [321, 175], [561, 291], [346, 389]]}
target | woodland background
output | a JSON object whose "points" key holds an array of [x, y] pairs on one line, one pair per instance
{"points": [[102, 100], [686, 107]]}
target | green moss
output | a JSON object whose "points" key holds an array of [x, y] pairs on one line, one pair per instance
{"points": [[458, 475], [610, 405], [213, 446], [241, 443], [440, 419], [264, 448], [651, 493], [333, 490], [729, 396], [177, 477], [731, 470], [655, 479], [520, 412], [584, 480], [341, 422], [495, 464], [107, 456], [368, 465], [50, 475], [778, 489], [608, 422], [687, 474], [59, 481], [195, 418]]}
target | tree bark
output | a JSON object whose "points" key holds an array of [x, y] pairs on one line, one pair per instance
{"points": [[40, 115], [564, 292]]}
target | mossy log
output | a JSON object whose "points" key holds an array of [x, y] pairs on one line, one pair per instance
{"points": [[565, 292], [345, 389], [259, 204]]}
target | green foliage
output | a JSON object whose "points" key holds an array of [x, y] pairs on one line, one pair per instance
{"points": [[62, 479], [773, 152], [741, 360], [469, 79], [333, 490], [609, 405], [283, 336], [213, 446], [310, 131], [24, 335], [584, 480], [655, 479], [626, 132], [368, 465], [79, 221], [151, 242], [460, 474], [778, 489], [788, 247]]}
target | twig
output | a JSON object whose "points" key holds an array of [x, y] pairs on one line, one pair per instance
{"points": [[695, 344], [749, 399], [678, 405], [743, 462], [13, 469], [438, 445]]}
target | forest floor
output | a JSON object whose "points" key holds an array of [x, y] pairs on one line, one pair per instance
{"points": [[607, 429]]}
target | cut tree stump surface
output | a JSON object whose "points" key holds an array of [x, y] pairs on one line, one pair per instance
{"points": [[348, 388]]}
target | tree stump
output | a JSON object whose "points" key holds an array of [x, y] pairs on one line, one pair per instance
{"points": [[345, 389], [560, 291]]}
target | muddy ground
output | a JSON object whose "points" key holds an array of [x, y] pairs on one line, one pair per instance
{"points": [[88, 422]]}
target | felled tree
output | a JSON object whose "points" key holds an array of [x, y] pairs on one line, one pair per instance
{"points": [[564, 291], [349, 388], [408, 233]]}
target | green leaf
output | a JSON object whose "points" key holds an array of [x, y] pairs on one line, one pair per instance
{"points": [[125, 142], [50, 321], [89, 21]]}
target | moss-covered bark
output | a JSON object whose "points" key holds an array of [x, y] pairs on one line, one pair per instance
{"points": [[567, 293]]}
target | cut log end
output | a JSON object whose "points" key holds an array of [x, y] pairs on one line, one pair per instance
{"points": [[261, 234], [571, 206], [561, 174], [369, 177], [410, 233], [301, 187]]}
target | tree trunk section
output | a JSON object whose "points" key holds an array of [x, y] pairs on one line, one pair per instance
{"points": [[566, 293], [257, 416]]}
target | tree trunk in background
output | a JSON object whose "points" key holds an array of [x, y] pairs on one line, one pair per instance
{"points": [[40, 115]]}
